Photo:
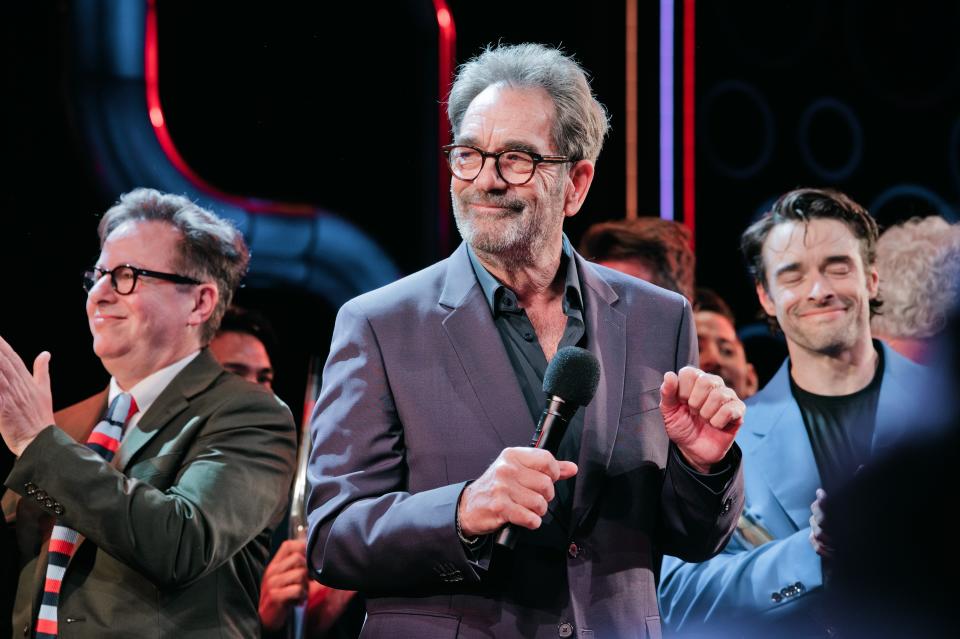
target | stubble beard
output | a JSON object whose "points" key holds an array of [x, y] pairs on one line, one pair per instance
{"points": [[516, 236], [832, 341]]}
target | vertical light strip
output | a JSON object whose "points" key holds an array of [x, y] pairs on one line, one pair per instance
{"points": [[666, 109], [632, 111], [446, 58], [689, 121]]}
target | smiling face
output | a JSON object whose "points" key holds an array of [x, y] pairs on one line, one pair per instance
{"points": [[818, 286], [159, 322], [505, 220]]}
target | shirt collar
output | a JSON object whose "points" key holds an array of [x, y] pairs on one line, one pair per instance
{"points": [[573, 298], [146, 391]]}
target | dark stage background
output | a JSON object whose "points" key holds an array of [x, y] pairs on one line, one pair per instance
{"points": [[336, 106]]}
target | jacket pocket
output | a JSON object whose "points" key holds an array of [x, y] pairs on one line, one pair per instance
{"points": [[398, 624], [639, 402]]}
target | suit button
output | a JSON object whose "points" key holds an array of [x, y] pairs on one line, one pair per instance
{"points": [[799, 587], [776, 597], [30, 487], [26, 630], [57, 508], [48, 502], [565, 630], [40, 495], [573, 550], [726, 506]]}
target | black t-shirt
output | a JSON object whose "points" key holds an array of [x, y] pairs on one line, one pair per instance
{"points": [[840, 428]]}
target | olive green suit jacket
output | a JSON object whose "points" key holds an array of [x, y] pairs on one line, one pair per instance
{"points": [[176, 529]]}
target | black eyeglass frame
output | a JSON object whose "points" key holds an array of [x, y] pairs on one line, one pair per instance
{"points": [[89, 281], [537, 160]]}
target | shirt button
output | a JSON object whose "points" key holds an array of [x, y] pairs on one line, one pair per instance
{"points": [[573, 550], [565, 629]]}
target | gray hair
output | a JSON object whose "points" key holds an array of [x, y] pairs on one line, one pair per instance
{"points": [[580, 123], [919, 265], [212, 248]]}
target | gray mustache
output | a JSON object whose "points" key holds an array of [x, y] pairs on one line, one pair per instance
{"points": [[516, 206]]}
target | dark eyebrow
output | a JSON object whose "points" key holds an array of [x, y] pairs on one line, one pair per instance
{"points": [[508, 145], [838, 259], [792, 267]]}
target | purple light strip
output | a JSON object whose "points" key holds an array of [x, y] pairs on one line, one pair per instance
{"points": [[666, 109]]}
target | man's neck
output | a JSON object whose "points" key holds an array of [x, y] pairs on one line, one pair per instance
{"points": [[129, 374], [836, 374], [535, 280]]}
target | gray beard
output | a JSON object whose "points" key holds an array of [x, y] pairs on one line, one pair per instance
{"points": [[518, 243]]}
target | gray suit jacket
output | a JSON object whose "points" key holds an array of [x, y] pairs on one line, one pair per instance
{"points": [[419, 398], [176, 528]]}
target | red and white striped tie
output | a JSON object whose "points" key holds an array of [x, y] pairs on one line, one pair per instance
{"points": [[105, 439]]}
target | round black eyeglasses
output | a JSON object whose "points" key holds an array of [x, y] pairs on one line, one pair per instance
{"points": [[514, 166], [123, 278]]}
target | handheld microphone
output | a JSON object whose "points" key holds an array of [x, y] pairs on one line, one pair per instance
{"points": [[569, 382]]}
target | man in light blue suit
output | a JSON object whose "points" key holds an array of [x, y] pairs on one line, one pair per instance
{"points": [[840, 400]]}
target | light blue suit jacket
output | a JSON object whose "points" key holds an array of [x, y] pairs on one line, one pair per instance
{"points": [[780, 581]]}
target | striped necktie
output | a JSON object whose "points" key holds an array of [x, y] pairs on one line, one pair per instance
{"points": [[105, 439]]}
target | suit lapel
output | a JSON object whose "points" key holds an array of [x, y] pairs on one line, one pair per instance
{"points": [[782, 454], [469, 324], [606, 339], [196, 377]]}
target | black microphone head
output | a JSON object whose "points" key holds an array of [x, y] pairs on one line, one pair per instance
{"points": [[572, 375]]}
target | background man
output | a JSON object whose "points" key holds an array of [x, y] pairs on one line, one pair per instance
{"points": [[839, 400], [650, 248], [721, 351], [168, 531], [433, 377], [243, 346], [919, 265]]}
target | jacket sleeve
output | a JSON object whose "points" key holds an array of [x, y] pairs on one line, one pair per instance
{"points": [[232, 483], [366, 530], [741, 582], [698, 513]]}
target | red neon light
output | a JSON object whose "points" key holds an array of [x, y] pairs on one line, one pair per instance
{"points": [[155, 111], [447, 54], [689, 42]]}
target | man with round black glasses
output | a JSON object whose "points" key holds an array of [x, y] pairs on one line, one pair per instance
{"points": [[147, 509], [434, 384]]}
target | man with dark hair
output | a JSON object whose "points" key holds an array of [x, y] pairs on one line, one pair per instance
{"points": [[650, 248], [156, 520], [243, 345], [434, 384], [840, 400], [721, 351]]}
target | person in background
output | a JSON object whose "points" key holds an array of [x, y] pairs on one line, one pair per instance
{"points": [[243, 346], [650, 248], [841, 400], [721, 351], [919, 265]]}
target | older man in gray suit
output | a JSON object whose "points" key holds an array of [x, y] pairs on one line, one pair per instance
{"points": [[433, 386]]}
